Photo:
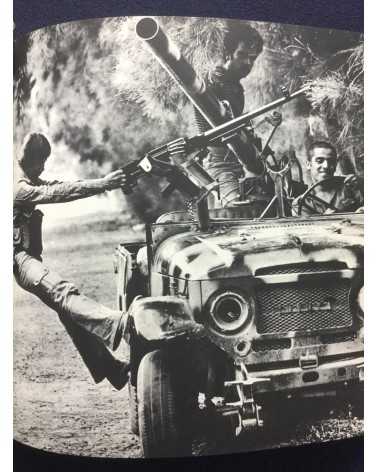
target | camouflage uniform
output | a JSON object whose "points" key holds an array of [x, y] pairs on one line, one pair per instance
{"points": [[92, 326]]}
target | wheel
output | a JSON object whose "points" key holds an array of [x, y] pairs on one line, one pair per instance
{"points": [[309, 195], [133, 402], [161, 404]]}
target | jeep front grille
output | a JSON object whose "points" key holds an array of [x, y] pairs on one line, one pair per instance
{"points": [[290, 307], [302, 268]]}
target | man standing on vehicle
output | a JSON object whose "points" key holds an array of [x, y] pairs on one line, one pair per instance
{"points": [[242, 45], [93, 327], [328, 193]]}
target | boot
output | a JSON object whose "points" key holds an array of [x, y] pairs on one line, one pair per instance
{"points": [[118, 374]]}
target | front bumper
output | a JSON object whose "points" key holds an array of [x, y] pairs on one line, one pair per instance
{"points": [[251, 387], [326, 374]]}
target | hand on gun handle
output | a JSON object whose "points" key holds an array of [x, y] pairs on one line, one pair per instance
{"points": [[178, 151], [132, 172], [113, 180]]}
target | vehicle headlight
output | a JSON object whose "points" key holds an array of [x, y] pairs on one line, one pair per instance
{"points": [[229, 311]]}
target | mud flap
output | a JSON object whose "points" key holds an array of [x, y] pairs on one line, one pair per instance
{"points": [[163, 318]]}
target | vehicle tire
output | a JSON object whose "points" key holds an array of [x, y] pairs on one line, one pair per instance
{"points": [[162, 428], [133, 403]]}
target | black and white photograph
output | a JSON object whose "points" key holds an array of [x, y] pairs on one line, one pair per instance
{"points": [[188, 236]]}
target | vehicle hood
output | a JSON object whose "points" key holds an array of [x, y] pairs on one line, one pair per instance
{"points": [[243, 250]]}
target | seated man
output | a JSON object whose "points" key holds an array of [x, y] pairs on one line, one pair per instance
{"points": [[328, 193]]}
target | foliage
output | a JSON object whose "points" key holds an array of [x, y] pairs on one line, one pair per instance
{"points": [[22, 81], [338, 97], [140, 78], [98, 93]]}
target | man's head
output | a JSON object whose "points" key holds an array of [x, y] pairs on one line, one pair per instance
{"points": [[242, 45], [321, 161], [35, 151]]}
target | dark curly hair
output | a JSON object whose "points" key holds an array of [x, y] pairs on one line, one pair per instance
{"points": [[36, 147], [323, 145], [237, 32]]}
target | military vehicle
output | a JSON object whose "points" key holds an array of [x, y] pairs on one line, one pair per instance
{"points": [[233, 310]]}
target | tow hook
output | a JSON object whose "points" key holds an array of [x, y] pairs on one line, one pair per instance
{"points": [[244, 412], [246, 408]]}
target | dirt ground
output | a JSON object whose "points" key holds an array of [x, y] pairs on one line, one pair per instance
{"points": [[57, 406]]}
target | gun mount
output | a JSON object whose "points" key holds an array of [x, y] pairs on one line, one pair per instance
{"points": [[234, 133], [190, 178]]}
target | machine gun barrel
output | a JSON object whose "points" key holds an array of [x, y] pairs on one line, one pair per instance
{"points": [[158, 160], [226, 130]]}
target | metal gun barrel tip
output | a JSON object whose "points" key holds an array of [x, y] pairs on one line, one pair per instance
{"points": [[147, 28]]}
